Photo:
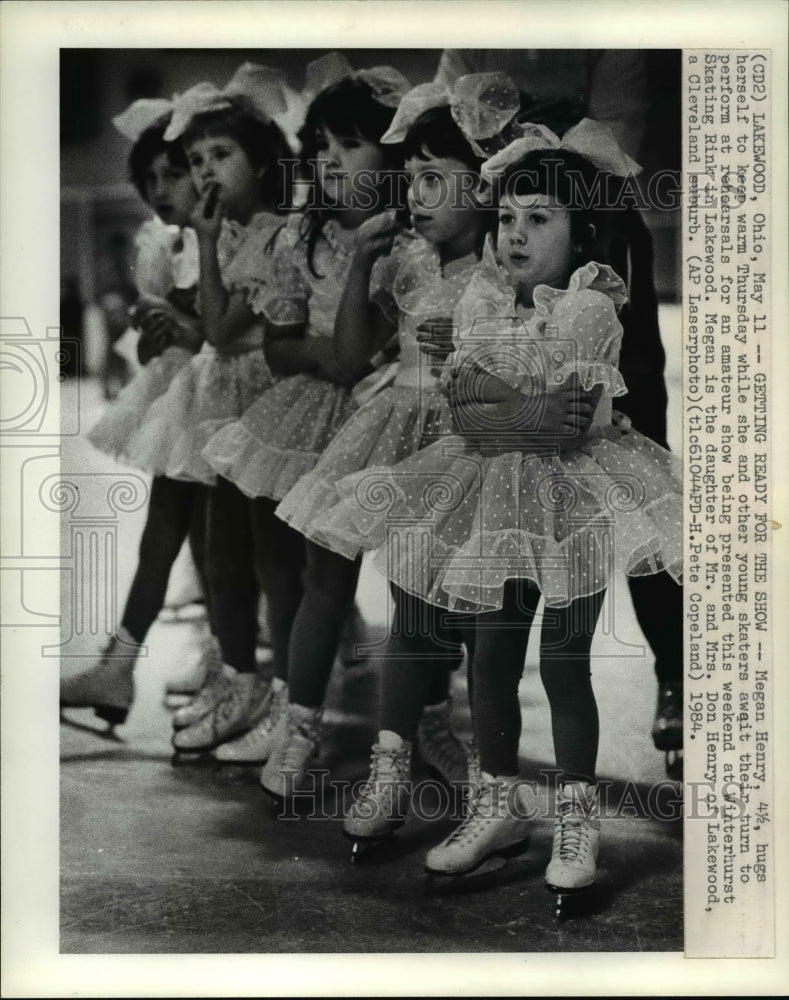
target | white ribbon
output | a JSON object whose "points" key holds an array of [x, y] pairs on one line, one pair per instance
{"points": [[590, 139], [387, 84], [262, 86]]}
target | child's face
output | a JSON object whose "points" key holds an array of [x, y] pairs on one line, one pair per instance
{"points": [[221, 160], [440, 198], [346, 168], [534, 242], [169, 191]]}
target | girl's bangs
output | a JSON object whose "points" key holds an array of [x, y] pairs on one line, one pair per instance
{"points": [[435, 134]]}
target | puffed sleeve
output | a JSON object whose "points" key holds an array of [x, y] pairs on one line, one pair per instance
{"points": [[489, 336], [153, 268], [286, 301], [186, 261], [382, 283], [586, 322], [250, 270]]}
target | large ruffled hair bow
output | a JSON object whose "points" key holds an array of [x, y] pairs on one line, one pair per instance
{"points": [[484, 105], [263, 88], [142, 115], [591, 139], [387, 84]]}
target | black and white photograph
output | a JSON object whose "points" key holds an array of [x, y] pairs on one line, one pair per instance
{"points": [[268, 257], [369, 476]]}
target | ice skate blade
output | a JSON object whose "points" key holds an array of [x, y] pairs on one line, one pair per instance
{"points": [[506, 853], [173, 700], [365, 847], [291, 799], [103, 734], [194, 758], [176, 614], [573, 902], [675, 765], [667, 739], [239, 762], [115, 715]]}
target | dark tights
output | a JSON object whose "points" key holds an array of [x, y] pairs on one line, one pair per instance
{"points": [[657, 602], [176, 510], [280, 559], [328, 598], [424, 647], [565, 641], [250, 550]]}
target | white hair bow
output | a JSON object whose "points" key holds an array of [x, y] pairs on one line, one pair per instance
{"points": [[387, 84], [482, 104], [590, 139], [262, 86], [142, 115]]}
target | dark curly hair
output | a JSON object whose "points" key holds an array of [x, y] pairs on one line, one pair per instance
{"points": [[145, 150], [262, 140], [435, 132]]}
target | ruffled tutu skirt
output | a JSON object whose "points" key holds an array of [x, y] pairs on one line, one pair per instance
{"points": [[390, 427], [211, 392], [125, 415], [452, 525], [281, 436]]}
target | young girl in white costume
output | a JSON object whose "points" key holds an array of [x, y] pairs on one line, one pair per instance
{"points": [[420, 281], [282, 436], [166, 276], [233, 148], [556, 519]]}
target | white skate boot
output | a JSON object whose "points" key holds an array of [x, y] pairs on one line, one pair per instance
{"points": [[441, 751], [107, 687], [295, 742], [213, 690], [494, 826], [382, 803], [236, 711], [576, 840], [255, 746], [181, 692]]}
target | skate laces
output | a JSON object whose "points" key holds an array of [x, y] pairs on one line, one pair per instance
{"points": [[483, 806], [573, 830], [294, 750], [387, 766], [442, 744], [474, 766], [278, 701]]}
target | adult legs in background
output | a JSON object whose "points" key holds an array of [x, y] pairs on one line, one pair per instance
{"points": [[657, 602]]}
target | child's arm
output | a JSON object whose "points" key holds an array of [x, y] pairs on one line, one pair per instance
{"points": [[361, 328], [556, 418], [288, 351], [225, 316]]}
